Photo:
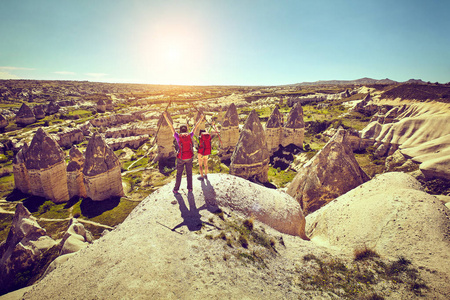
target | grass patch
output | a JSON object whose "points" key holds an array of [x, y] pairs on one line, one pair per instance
{"points": [[281, 178], [357, 280]]}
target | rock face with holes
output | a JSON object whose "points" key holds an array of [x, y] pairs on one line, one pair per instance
{"points": [[333, 171], [22, 250], [229, 133], [101, 171], [250, 159], [294, 127], [69, 136], [164, 140], [274, 130], [45, 168], [25, 115]]}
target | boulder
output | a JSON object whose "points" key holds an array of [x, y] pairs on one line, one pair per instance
{"points": [[294, 127], [250, 159], [101, 171], [46, 166], [389, 214], [229, 133], [75, 238], [22, 250], [25, 115], [333, 171], [274, 130]]}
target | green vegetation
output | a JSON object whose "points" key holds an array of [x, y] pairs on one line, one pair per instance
{"points": [[281, 178], [357, 280]]}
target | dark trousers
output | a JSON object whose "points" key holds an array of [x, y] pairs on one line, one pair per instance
{"points": [[181, 164]]}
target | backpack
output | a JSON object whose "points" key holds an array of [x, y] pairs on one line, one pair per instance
{"points": [[186, 149], [205, 144]]}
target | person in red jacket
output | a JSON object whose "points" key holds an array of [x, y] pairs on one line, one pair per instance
{"points": [[204, 150], [185, 154]]}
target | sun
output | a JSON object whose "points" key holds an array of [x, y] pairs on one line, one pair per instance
{"points": [[173, 54]]}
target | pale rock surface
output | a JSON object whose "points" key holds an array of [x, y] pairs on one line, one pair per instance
{"points": [[392, 215], [101, 171], [333, 171], [250, 159], [132, 142]]}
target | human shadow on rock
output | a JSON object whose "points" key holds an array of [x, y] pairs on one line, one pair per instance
{"points": [[191, 215], [210, 196]]}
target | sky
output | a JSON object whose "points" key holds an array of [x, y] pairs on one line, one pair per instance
{"points": [[224, 42]]}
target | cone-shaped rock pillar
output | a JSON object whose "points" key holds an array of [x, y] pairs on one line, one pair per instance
{"points": [[250, 159], [229, 133], [332, 172], [274, 130], [25, 115], [102, 177], [46, 166], [164, 140], [294, 128]]}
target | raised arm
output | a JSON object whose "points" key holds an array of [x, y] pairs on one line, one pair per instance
{"points": [[168, 122], [198, 122]]}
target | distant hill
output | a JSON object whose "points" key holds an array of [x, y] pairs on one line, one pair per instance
{"points": [[362, 81]]}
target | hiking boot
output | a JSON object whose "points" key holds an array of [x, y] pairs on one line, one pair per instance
{"points": [[206, 176], [200, 178]]}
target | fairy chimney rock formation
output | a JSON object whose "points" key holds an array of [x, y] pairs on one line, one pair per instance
{"points": [[101, 171], [164, 139], [229, 132], [21, 178], [332, 172], [75, 181], [3, 122], [109, 105], [46, 166], [250, 159], [25, 115], [294, 127], [201, 126], [101, 106], [39, 112], [52, 108], [274, 130]]}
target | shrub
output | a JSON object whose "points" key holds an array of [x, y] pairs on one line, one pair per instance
{"points": [[364, 253], [248, 223], [243, 241]]}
